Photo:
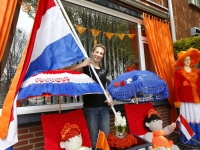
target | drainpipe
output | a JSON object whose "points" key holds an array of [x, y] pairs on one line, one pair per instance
{"points": [[171, 16]]}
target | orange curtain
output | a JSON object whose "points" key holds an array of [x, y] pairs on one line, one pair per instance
{"points": [[161, 50], [8, 103], [7, 10]]}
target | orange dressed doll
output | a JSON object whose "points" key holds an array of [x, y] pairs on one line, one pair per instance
{"points": [[187, 89], [157, 133]]}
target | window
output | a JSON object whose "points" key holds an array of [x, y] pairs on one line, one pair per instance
{"points": [[148, 59], [120, 36]]}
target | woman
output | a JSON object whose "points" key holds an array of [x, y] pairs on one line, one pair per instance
{"points": [[187, 89], [96, 110]]}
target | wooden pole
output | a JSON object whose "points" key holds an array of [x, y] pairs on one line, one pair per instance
{"points": [[136, 99], [59, 100]]}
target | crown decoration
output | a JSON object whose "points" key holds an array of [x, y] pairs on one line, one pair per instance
{"points": [[152, 111], [69, 131]]}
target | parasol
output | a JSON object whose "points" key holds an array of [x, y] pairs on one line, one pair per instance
{"points": [[138, 86], [57, 83]]}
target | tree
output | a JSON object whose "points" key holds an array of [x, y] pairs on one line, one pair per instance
{"points": [[19, 42]]}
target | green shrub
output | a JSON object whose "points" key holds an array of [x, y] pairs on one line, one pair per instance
{"points": [[186, 43]]}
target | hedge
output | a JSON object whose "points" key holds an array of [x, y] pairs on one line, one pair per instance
{"points": [[186, 43]]}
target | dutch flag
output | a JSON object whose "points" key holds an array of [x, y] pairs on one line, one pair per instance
{"points": [[51, 46], [186, 133]]}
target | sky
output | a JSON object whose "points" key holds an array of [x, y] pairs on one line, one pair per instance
{"points": [[25, 22]]}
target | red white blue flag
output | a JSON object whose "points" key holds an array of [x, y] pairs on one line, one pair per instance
{"points": [[51, 46], [186, 133]]}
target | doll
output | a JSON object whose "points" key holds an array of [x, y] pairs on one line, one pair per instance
{"points": [[187, 89], [71, 138], [156, 135]]}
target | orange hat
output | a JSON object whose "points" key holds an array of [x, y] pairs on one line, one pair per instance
{"points": [[69, 131], [194, 56]]}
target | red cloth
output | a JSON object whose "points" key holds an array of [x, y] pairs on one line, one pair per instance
{"points": [[52, 125], [135, 114], [186, 86]]}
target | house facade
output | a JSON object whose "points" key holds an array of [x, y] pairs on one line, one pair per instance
{"points": [[186, 18], [120, 28]]}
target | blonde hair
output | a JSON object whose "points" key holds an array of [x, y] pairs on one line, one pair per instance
{"points": [[99, 45]]}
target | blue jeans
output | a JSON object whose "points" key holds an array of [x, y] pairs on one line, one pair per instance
{"points": [[98, 118]]}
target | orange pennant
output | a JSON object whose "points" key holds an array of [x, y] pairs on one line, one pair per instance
{"points": [[131, 35], [95, 32], [80, 29], [26, 7], [102, 142], [109, 35], [121, 36]]}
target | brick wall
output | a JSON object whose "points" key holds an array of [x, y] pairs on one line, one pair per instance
{"points": [[31, 136], [161, 2], [185, 17]]}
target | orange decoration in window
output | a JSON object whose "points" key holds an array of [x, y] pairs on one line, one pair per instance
{"points": [[80, 29]]}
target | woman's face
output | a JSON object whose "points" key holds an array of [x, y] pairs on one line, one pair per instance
{"points": [[98, 54], [187, 61]]}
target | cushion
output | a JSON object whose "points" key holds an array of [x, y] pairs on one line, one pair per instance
{"points": [[135, 114], [52, 125]]}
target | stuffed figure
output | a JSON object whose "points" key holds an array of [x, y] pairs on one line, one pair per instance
{"points": [[71, 138], [154, 123]]}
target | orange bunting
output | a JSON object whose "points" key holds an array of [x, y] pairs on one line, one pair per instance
{"points": [[95, 32], [109, 35], [95, 41], [26, 7], [131, 35], [121, 36], [80, 29]]}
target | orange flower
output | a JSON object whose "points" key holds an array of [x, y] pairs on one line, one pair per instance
{"points": [[192, 84], [185, 83], [116, 84], [121, 143]]}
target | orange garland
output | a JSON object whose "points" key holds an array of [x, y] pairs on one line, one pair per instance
{"points": [[121, 143]]}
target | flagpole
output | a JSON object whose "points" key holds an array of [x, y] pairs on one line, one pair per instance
{"points": [[83, 50]]}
